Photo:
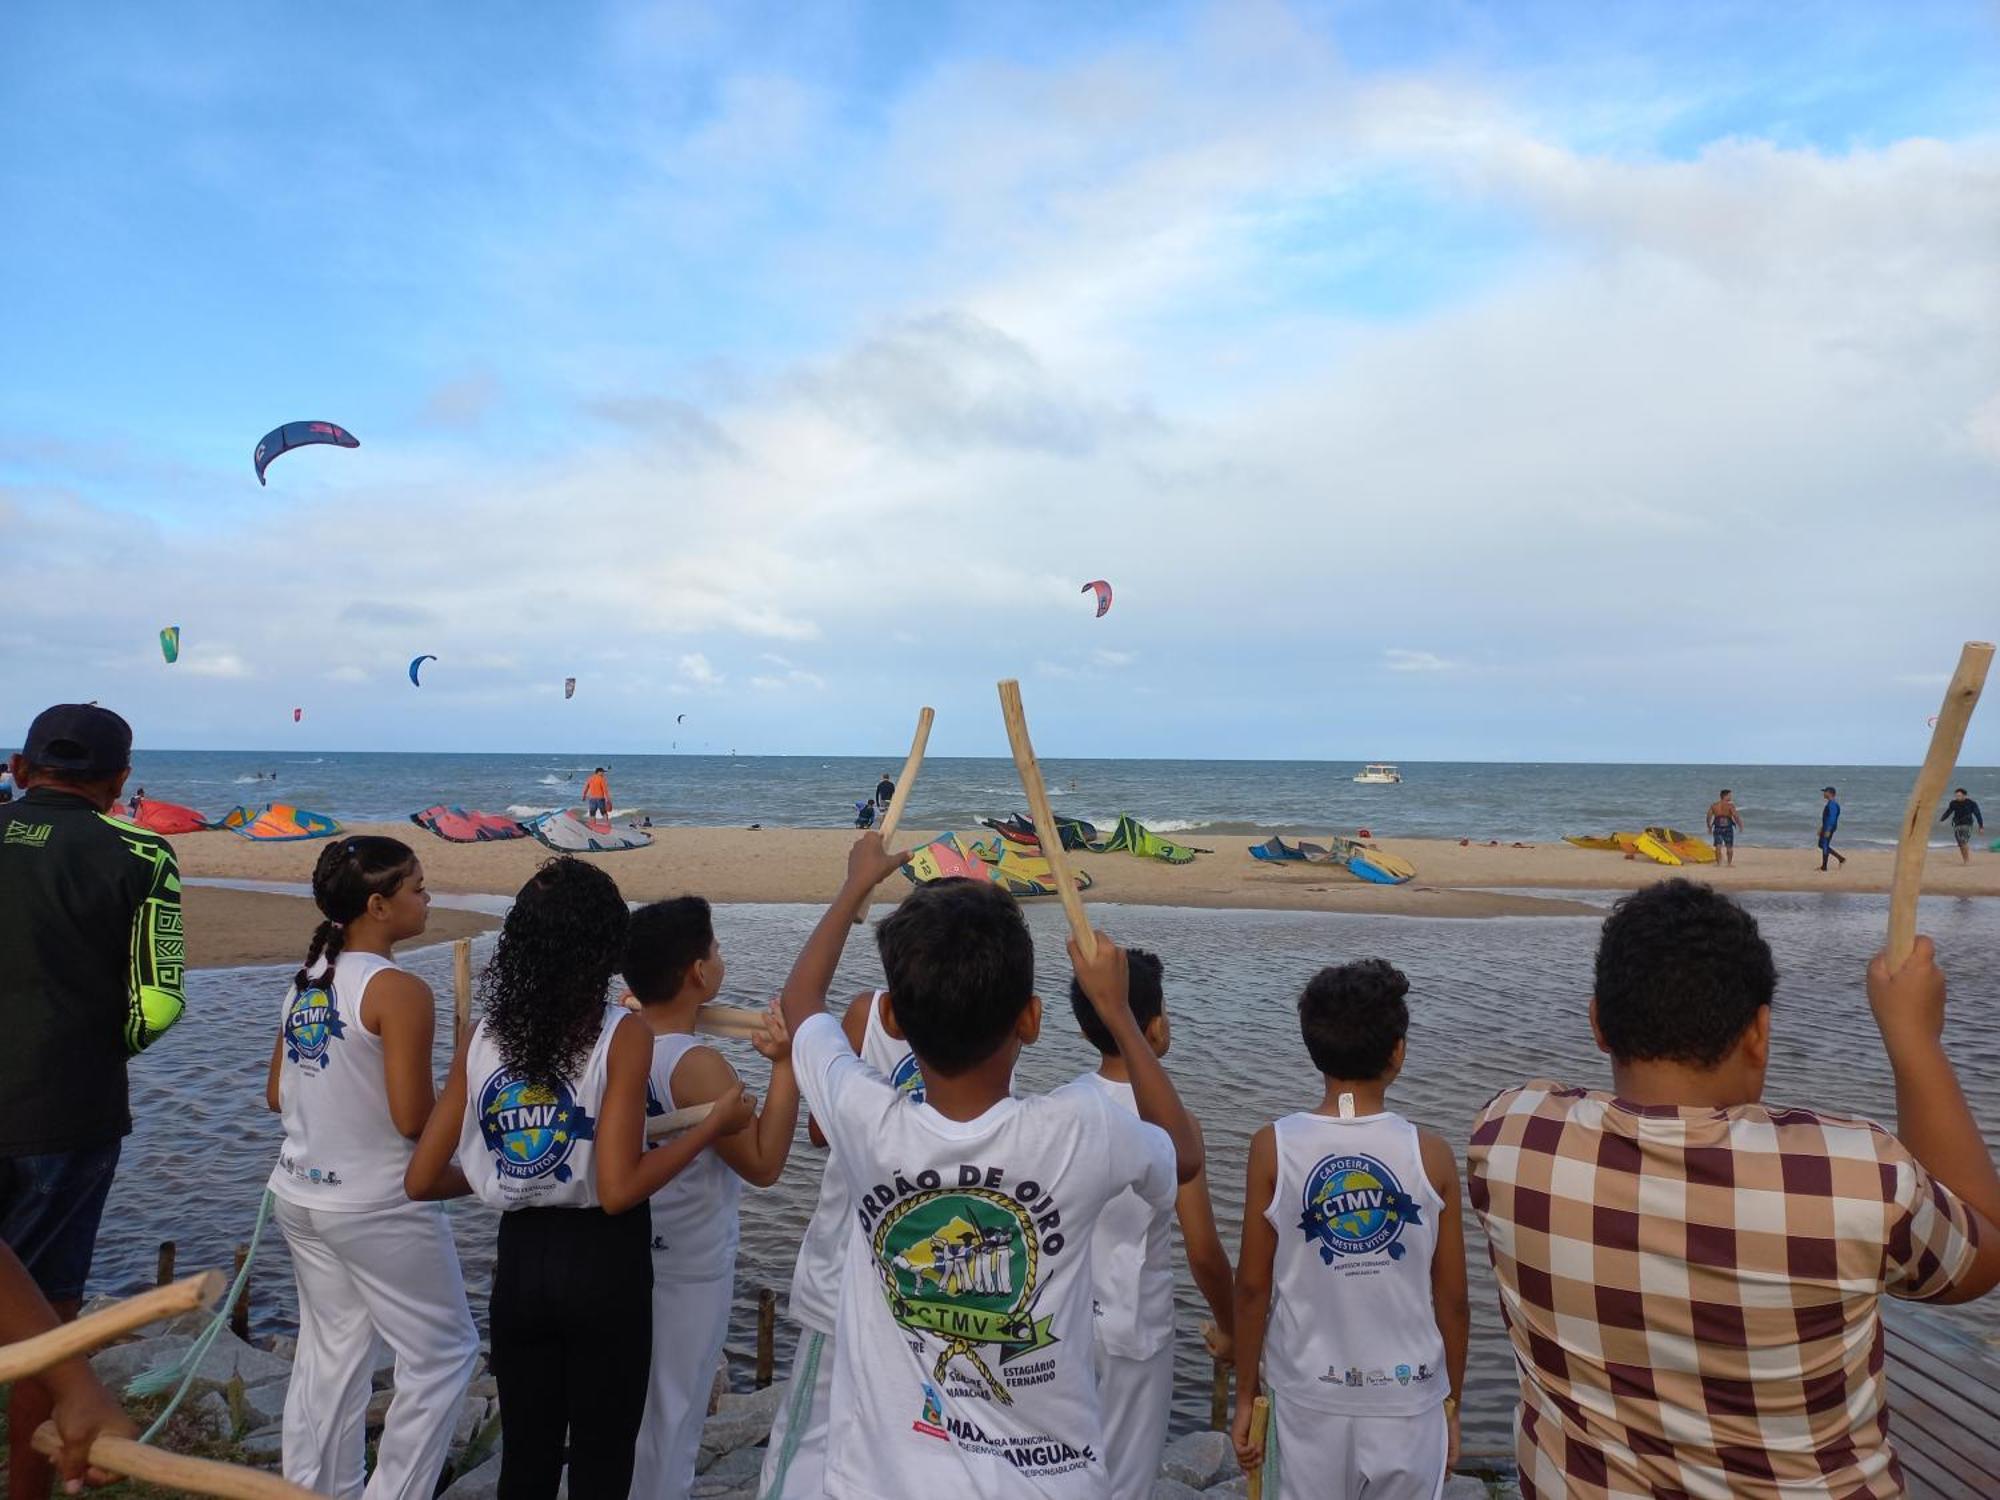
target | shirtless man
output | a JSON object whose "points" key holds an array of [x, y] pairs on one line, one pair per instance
{"points": [[1723, 821]]}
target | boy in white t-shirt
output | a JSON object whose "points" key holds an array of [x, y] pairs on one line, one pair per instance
{"points": [[963, 1352], [673, 966], [1353, 1249], [1132, 1266]]}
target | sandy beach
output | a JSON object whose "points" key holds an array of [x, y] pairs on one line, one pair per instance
{"points": [[226, 928], [804, 865]]}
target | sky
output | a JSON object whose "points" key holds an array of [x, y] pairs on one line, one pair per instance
{"points": [[1431, 380]]}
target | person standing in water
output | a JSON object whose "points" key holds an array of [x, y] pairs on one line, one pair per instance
{"points": [[1963, 812], [1829, 820], [1723, 821], [884, 790], [597, 795]]}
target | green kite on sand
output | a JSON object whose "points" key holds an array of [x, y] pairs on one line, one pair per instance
{"points": [[1133, 837]]}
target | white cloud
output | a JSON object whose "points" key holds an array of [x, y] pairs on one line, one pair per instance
{"points": [[695, 671], [1113, 658], [788, 675], [347, 674], [1398, 659], [213, 661]]}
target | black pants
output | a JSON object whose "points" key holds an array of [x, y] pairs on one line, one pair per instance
{"points": [[572, 1324]]}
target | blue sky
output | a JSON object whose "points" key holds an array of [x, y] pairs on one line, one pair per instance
{"points": [[1540, 381]]}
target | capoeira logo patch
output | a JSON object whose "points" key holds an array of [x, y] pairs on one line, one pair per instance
{"points": [[961, 1267], [531, 1129], [311, 1026], [1355, 1206], [909, 1078]]}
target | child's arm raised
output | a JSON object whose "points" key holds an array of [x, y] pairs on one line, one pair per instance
{"points": [[627, 1173], [432, 1172], [1105, 984], [1207, 1260], [853, 1026], [1450, 1303], [757, 1154], [804, 995], [1253, 1287]]}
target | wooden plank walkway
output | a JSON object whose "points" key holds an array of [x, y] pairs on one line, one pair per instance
{"points": [[1944, 1404]]}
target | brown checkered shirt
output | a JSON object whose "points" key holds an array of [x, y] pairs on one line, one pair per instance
{"points": [[1693, 1294]]}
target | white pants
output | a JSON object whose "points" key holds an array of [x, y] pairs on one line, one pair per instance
{"points": [[390, 1272], [800, 1474], [1312, 1454], [690, 1322], [1136, 1397]]}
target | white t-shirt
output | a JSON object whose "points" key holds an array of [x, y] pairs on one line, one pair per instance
{"points": [[694, 1216], [342, 1150], [963, 1356], [823, 1252], [524, 1145], [1353, 1326], [1131, 1260]]}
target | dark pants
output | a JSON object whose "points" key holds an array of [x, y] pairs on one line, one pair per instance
{"points": [[1827, 850], [572, 1325], [50, 1207]]}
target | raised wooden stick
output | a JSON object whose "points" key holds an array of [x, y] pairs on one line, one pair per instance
{"points": [[1045, 819], [893, 818], [101, 1327], [176, 1471], [662, 1126], [1914, 841], [1260, 1418], [729, 1020], [461, 990]]}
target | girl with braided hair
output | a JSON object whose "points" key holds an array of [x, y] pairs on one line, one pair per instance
{"points": [[351, 1075]]}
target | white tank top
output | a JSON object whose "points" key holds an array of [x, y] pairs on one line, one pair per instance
{"points": [[823, 1251], [342, 1150], [526, 1146], [1353, 1328], [694, 1216], [1131, 1261]]}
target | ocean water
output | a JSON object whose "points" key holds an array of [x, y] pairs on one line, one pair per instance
{"points": [[1536, 803], [1494, 1002]]}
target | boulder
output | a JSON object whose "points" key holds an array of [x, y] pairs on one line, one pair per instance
{"points": [[744, 1464], [262, 1404], [228, 1356], [483, 1483], [1199, 1459], [265, 1445], [739, 1427], [1173, 1489]]}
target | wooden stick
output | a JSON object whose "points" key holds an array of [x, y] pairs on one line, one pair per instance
{"points": [[729, 1020], [1260, 1417], [662, 1126], [893, 818], [101, 1327], [176, 1471], [461, 990], [1045, 819], [1946, 739]]}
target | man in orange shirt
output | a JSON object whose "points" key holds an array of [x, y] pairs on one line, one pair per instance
{"points": [[597, 795]]}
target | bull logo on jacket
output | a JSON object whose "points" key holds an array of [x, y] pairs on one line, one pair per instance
{"points": [[1355, 1206], [531, 1128]]}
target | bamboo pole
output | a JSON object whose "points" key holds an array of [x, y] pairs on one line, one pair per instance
{"points": [[176, 1471], [1914, 842], [123, 1317], [1045, 819], [893, 818], [461, 991], [662, 1126], [1260, 1417]]}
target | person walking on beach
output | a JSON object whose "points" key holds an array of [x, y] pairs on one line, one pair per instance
{"points": [[1829, 820], [1723, 821], [90, 926], [597, 795], [1964, 813], [1354, 1255], [884, 790], [1692, 1278], [351, 1076]]}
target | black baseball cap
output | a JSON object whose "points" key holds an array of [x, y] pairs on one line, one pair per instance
{"points": [[1829, 790], [78, 737]]}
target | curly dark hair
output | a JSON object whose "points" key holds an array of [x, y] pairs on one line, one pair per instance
{"points": [[543, 993], [347, 873], [961, 969], [1681, 973], [1352, 1015], [1142, 976]]}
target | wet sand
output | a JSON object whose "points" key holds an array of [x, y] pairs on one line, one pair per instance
{"points": [[226, 928]]}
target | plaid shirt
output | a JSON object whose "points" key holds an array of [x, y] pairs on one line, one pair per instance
{"points": [[1693, 1294]]}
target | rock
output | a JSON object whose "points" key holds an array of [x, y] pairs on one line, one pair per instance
{"points": [[228, 1356], [739, 1427], [472, 1413], [265, 1445], [769, 1399], [735, 1467], [1199, 1459], [211, 1410], [283, 1345], [484, 1385], [378, 1409], [263, 1404], [1464, 1487], [483, 1483], [710, 1487], [1234, 1489], [1173, 1489]]}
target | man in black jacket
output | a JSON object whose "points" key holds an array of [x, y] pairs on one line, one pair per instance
{"points": [[90, 926], [1963, 812]]}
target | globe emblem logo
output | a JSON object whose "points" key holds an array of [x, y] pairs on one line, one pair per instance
{"points": [[312, 1024], [909, 1078], [1355, 1206], [531, 1128]]}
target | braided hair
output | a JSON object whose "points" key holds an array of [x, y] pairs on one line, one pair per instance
{"points": [[542, 995], [349, 871]]}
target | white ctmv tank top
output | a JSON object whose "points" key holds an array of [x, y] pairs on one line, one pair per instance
{"points": [[694, 1216], [342, 1150], [1131, 1261], [524, 1145], [823, 1252], [1353, 1328]]}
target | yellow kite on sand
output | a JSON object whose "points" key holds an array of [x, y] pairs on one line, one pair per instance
{"points": [[1664, 846]]}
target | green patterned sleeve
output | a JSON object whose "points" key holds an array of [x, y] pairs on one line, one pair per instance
{"points": [[155, 997]]}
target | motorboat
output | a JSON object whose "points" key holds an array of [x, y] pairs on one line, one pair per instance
{"points": [[1378, 773]]}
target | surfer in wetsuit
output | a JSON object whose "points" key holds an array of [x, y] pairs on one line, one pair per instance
{"points": [[1723, 821], [1829, 820], [1963, 812]]}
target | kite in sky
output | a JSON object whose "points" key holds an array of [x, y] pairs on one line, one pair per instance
{"points": [[1103, 591], [569, 688], [170, 643], [414, 665], [298, 435], [298, 714]]}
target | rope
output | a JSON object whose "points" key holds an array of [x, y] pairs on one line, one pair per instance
{"points": [[152, 1382], [798, 1410]]}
